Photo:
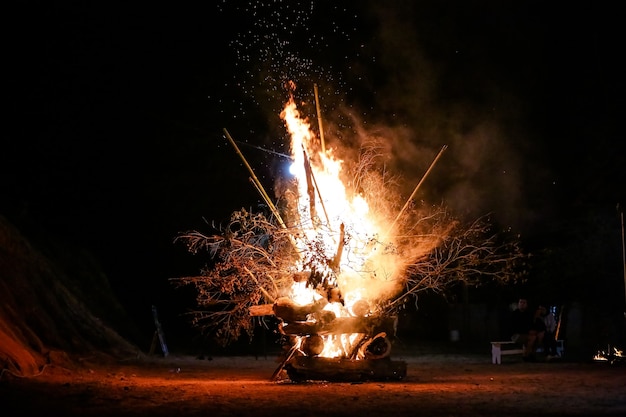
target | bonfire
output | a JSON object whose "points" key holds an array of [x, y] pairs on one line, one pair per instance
{"points": [[334, 258]]}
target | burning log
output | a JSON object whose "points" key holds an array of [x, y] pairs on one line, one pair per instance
{"points": [[377, 347], [312, 345], [261, 310], [360, 308], [319, 119], [341, 325], [287, 310], [342, 241], [310, 188]]}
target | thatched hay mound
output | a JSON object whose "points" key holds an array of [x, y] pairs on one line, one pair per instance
{"points": [[55, 306]]}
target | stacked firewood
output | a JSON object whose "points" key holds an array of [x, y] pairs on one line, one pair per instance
{"points": [[313, 323], [364, 355]]}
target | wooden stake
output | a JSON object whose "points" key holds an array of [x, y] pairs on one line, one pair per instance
{"points": [[415, 190], [337, 259], [623, 254], [263, 290], [309, 171], [319, 118], [256, 181], [310, 190], [287, 358]]}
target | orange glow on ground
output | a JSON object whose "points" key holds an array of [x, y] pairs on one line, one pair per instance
{"points": [[437, 385]]}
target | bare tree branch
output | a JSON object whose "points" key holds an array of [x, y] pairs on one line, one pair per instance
{"points": [[253, 257]]}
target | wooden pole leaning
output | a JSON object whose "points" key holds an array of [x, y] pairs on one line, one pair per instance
{"points": [[319, 118], [256, 181], [415, 190]]}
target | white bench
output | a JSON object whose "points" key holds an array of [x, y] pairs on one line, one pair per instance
{"points": [[510, 348]]}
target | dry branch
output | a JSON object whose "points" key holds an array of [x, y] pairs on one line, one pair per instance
{"points": [[253, 257]]}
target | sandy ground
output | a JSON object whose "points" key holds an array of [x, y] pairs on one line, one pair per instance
{"points": [[435, 385]]}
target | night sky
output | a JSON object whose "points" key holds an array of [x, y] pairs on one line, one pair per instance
{"points": [[116, 114]]}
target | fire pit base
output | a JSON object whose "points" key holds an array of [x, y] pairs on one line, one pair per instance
{"points": [[303, 368]]}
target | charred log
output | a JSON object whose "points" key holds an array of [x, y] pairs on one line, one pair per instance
{"points": [[377, 347], [312, 345], [302, 368]]}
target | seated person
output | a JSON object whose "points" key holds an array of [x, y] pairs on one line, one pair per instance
{"points": [[538, 327], [524, 329], [549, 339]]}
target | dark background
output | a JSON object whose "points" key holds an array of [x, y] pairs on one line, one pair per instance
{"points": [[115, 116]]}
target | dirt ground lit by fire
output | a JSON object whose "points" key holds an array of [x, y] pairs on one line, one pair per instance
{"points": [[436, 384]]}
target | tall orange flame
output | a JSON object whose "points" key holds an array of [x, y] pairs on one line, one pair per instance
{"points": [[365, 272]]}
